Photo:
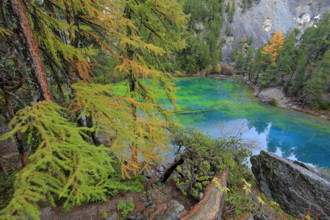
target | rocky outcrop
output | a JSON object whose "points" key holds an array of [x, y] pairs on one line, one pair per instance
{"points": [[160, 203], [274, 96], [299, 189]]}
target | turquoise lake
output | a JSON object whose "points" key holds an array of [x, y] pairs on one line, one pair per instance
{"points": [[234, 110]]}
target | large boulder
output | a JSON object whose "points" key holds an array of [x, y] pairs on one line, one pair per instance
{"points": [[299, 189]]}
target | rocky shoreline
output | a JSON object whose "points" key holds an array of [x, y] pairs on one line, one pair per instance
{"points": [[276, 96]]}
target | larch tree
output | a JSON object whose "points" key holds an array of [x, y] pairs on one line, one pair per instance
{"points": [[155, 37], [66, 164], [276, 44], [31, 47]]}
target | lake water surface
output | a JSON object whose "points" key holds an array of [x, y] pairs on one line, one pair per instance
{"points": [[234, 109]]}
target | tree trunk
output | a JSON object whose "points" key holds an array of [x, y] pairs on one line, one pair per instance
{"points": [[132, 85], [7, 89], [170, 169], [261, 87], [31, 47]]}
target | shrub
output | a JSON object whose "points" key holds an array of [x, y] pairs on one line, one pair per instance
{"points": [[226, 69], [125, 207], [206, 157], [273, 102], [178, 74], [217, 69]]}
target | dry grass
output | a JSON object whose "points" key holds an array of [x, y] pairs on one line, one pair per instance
{"points": [[226, 69]]}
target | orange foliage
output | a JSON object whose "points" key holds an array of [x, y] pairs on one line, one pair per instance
{"points": [[276, 44]]}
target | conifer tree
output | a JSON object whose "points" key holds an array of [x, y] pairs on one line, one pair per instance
{"points": [[156, 22], [65, 163], [248, 60], [276, 44], [64, 166]]}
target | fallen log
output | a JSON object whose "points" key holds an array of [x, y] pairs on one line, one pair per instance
{"points": [[210, 207]]}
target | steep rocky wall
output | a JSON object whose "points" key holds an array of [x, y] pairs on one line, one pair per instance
{"points": [[266, 17], [296, 187]]}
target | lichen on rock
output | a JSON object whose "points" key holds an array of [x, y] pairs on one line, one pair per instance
{"points": [[298, 188]]}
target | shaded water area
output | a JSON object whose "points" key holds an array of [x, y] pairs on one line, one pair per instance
{"points": [[234, 109]]}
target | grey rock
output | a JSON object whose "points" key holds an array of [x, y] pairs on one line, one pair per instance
{"points": [[143, 199], [160, 168], [201, 195], [259, 217], [293, 185], [172, 212], [177, 207], [114, 216], [147, 173], [158, 175]]}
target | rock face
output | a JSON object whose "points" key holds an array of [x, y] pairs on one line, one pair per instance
{"points": [[297, 188], [266, 17], [274, 96]]}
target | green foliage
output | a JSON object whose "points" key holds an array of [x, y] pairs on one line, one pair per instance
{"points": [[288, 57], [64, 166], [228, 30], [206, 157], [227, 7], [115, 184], [312, 89], [234, 53], [248, 59], [240, 61], [124, 207], [240, 201], [203, 48], [104, 215], [246, 3], [250, 40], [112, 115], [6, 188], [130, 39], [232, 12]]}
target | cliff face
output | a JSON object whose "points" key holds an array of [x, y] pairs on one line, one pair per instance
{"points": [[266, 17], [296, 187]]}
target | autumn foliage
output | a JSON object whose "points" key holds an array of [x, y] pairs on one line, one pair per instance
{"points": [[276, 44], [68, 162]]}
